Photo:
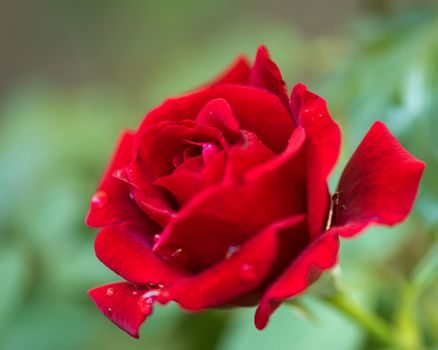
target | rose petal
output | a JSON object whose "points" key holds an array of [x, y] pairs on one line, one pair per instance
{"points": [[316, 258], [224, 216], [323, 140], [237, 73], [265, 74], [255, 109], [183, 184], [245, 156], [379, 183], [127, 250], [119, 303], [111, 203], [153, 200], [218, 113], [162, 143], [239, 274]]}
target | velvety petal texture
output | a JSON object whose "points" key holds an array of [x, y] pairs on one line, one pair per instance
{"points": [[119, 302], [126, 249], [111, 203], [265, 74], [220, 197], [379, 183], [323, 141]]}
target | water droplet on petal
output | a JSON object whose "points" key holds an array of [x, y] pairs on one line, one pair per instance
{"points": [[146, 301], [110, 292], [174, 254], [154, 285], [231, 251], [145, 305], [306, 110], [335, 198], [99, 200], [109, 313], [208, 151], [320, 115], [134, 292], [248, 272], [121, 174], [156, 238]]}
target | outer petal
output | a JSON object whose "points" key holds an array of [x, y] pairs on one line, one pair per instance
{"points": [[112, 204], [265, 74], [127, 250], [255, 109], [319, 256], [323, 140], [237, 73], [380, 182], [378, 185], [119, 302], [224, 216], [238, 274]]}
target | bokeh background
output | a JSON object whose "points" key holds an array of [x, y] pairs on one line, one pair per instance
{"points": [[73, 73]]}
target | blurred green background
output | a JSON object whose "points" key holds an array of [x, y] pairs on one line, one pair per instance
{"points": [[74, 73]]}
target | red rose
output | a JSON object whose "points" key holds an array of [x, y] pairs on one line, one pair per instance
{"points": [[220, 197]]}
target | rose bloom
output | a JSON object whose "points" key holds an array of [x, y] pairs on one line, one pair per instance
{"points": [[220, 198]]}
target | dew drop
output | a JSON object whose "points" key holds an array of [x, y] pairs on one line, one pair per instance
{"points": [[109, 313], [231, 251], [306, 110], [145, 305], [99, 200], [156, 238], [154, 285], [110, 292], [121, 174], [248, 272], [335, 198], [146, 301], [208, 151], [174, 254], [320, 115], [134, 292]]}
